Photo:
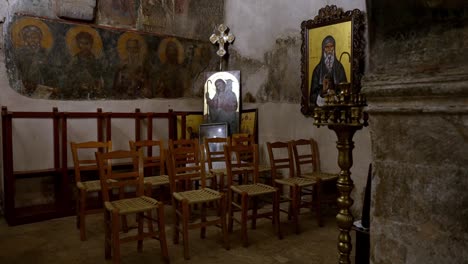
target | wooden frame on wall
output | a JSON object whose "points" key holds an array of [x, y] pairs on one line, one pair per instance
{"points": [[249, 122], [341, 35]]}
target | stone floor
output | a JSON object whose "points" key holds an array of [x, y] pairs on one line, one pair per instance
{"points": [[57, 241]]}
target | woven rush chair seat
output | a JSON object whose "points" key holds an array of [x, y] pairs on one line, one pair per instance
{"points": [[198, 196], [132, 205], [157, 180], [253, 189], [220, 171], [207, 176], [323, 176], [263, 168], [89, 186], [301, 182]]}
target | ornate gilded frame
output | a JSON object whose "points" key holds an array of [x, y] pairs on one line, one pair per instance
{"points": [[329, 18]]}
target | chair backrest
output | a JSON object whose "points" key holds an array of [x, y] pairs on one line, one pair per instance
{"points": [[87, 161], [245, 168], [112, 178], [153, 157], [214, 149], [246, 140], [185, 162], [281, 159], [242, 138], [306, 156]]}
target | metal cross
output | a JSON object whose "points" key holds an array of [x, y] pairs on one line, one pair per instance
{"points": [[222, 39]]}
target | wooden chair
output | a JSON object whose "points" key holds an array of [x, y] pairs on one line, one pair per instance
{"points": [[186, 163], [247, 139], [246, 192], [140, 204], [282, 159], [307, 160], [214, 149], [83, 163], [154, 163]]}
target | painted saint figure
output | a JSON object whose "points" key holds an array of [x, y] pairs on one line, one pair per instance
{"points": [[131, 80], [328, 66], [84, 71], [172, 78], [32, 59], [223, 106]]}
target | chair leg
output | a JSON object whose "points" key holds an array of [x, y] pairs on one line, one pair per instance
{"points": [[276, 214], [290, 209], [150, 221], [185, 220], [124, 217], [222, 205], [244, 218], [140, 231], [78, 200], [115, 237], [108, 234], [254, 212], [221, 182], [319, 203], [295, 201], [230, 211], [162, 233], [82, 215], [175, 205], [203, 220]]}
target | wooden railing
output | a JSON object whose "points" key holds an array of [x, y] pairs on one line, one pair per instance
{"points": [[64, 204]]}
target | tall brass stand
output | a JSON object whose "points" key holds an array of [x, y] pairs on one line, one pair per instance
{"points": [[343, 113]]}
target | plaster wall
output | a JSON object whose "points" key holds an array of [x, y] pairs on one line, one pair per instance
{"points": [[267, 46], [261, 27]]}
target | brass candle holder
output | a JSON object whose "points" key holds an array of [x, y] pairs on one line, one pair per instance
{"points": [[344, 114]]}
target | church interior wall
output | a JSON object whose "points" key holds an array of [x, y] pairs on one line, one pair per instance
{"points": [[417, 93], [267, 51]]}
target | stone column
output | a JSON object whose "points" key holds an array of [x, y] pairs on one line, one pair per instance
{"points": [[417, 90]]}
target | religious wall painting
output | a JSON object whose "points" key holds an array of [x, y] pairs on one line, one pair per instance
{"points": [[194, 19], [172, 79], [331, 56], [84, 70], [248, 123], [132, 76], [157, 16], [32, 42], [56, 60], [221, 99], [117, 12], [192, 126]]}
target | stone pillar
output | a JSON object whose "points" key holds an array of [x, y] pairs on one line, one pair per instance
{"points": [[417, 89]]}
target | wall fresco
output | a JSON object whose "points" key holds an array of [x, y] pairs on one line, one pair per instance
{"points": [[55, 60], [117, 12], [194, 19]]}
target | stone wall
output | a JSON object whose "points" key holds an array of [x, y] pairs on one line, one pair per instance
{"points": [[417, 89]]}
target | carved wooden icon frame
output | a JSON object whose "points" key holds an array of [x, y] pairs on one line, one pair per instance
{"points": [[345, 32]]}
